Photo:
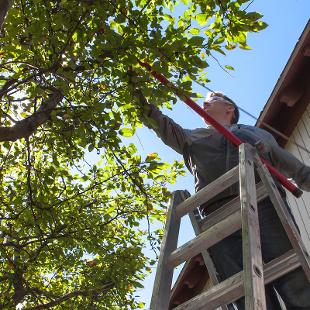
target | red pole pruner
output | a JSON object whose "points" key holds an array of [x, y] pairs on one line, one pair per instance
{"points": [[297, 192]]}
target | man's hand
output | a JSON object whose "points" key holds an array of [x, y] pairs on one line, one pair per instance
{"points": [[143, 105]]}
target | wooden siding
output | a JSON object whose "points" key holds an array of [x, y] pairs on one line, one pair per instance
{"points": [[301, 207]]}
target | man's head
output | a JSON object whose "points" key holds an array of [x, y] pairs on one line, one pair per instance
{"points": [[222, 108]]}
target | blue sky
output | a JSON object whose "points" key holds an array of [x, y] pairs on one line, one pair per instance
{"points": [[250, 85]]}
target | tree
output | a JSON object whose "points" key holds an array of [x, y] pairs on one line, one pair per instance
{"points": [[70, 231]]}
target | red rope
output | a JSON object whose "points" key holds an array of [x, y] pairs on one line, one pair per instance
{"points": [[210, 120]]}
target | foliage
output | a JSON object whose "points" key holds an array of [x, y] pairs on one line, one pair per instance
{"points": [[70, 232]]}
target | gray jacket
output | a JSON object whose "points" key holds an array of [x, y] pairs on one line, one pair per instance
{"points": [[208, 154]]}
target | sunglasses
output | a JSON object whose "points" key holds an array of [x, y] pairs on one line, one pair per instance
{"points": [[215, 98]]}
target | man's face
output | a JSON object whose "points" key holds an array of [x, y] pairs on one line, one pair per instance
{"points": [[217, 107]]}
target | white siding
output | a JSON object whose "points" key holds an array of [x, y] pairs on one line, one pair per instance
{"points": [[301, 207]]}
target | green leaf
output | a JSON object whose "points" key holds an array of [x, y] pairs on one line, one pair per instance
{"points": [[254, 15], [261, 25], [230, 46], [196, 40], [75, 36], [229, 67], [218, 49], [91, 148], [245, 47], [202, 19], [194, 31], [127, 132]]}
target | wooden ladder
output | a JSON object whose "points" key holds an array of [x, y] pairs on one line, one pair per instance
{"points": [[250, 282]]}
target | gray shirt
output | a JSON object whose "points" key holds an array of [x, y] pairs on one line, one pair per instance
{"points": [[208, 154]]}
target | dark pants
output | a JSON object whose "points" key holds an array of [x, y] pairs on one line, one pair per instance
{"points": [[293, 287]]}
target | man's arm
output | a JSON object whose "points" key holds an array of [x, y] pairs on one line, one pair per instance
{"points": [[289, 165], [171, 133]]}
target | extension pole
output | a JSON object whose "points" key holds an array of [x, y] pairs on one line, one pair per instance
{"points": [[210, 120]]}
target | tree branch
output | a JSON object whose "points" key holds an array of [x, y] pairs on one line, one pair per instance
{"points": [[4, 8], [19, 289], [27, 126], [63, 298]]}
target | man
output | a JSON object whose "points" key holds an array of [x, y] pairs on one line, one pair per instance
{"points": [[208, 155]]}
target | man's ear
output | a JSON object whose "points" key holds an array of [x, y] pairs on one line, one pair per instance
{"points": [[230, 108]]}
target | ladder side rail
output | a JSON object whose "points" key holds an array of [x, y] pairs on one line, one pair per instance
{"points": [[233, 288], [253, 275], [285, 217], [164, 272], [205, 254], [206, 257]]}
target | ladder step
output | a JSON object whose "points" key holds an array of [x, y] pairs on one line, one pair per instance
{"points": [[208, 192], [206, 239], [232, 289], [229, 208]]}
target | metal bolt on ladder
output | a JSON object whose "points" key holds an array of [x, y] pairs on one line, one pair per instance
{"points": [[250, 282]]}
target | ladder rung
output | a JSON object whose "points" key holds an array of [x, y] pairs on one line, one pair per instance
{"points": [[232, 288], [206, 239], [229, 208], [208, 192]]}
